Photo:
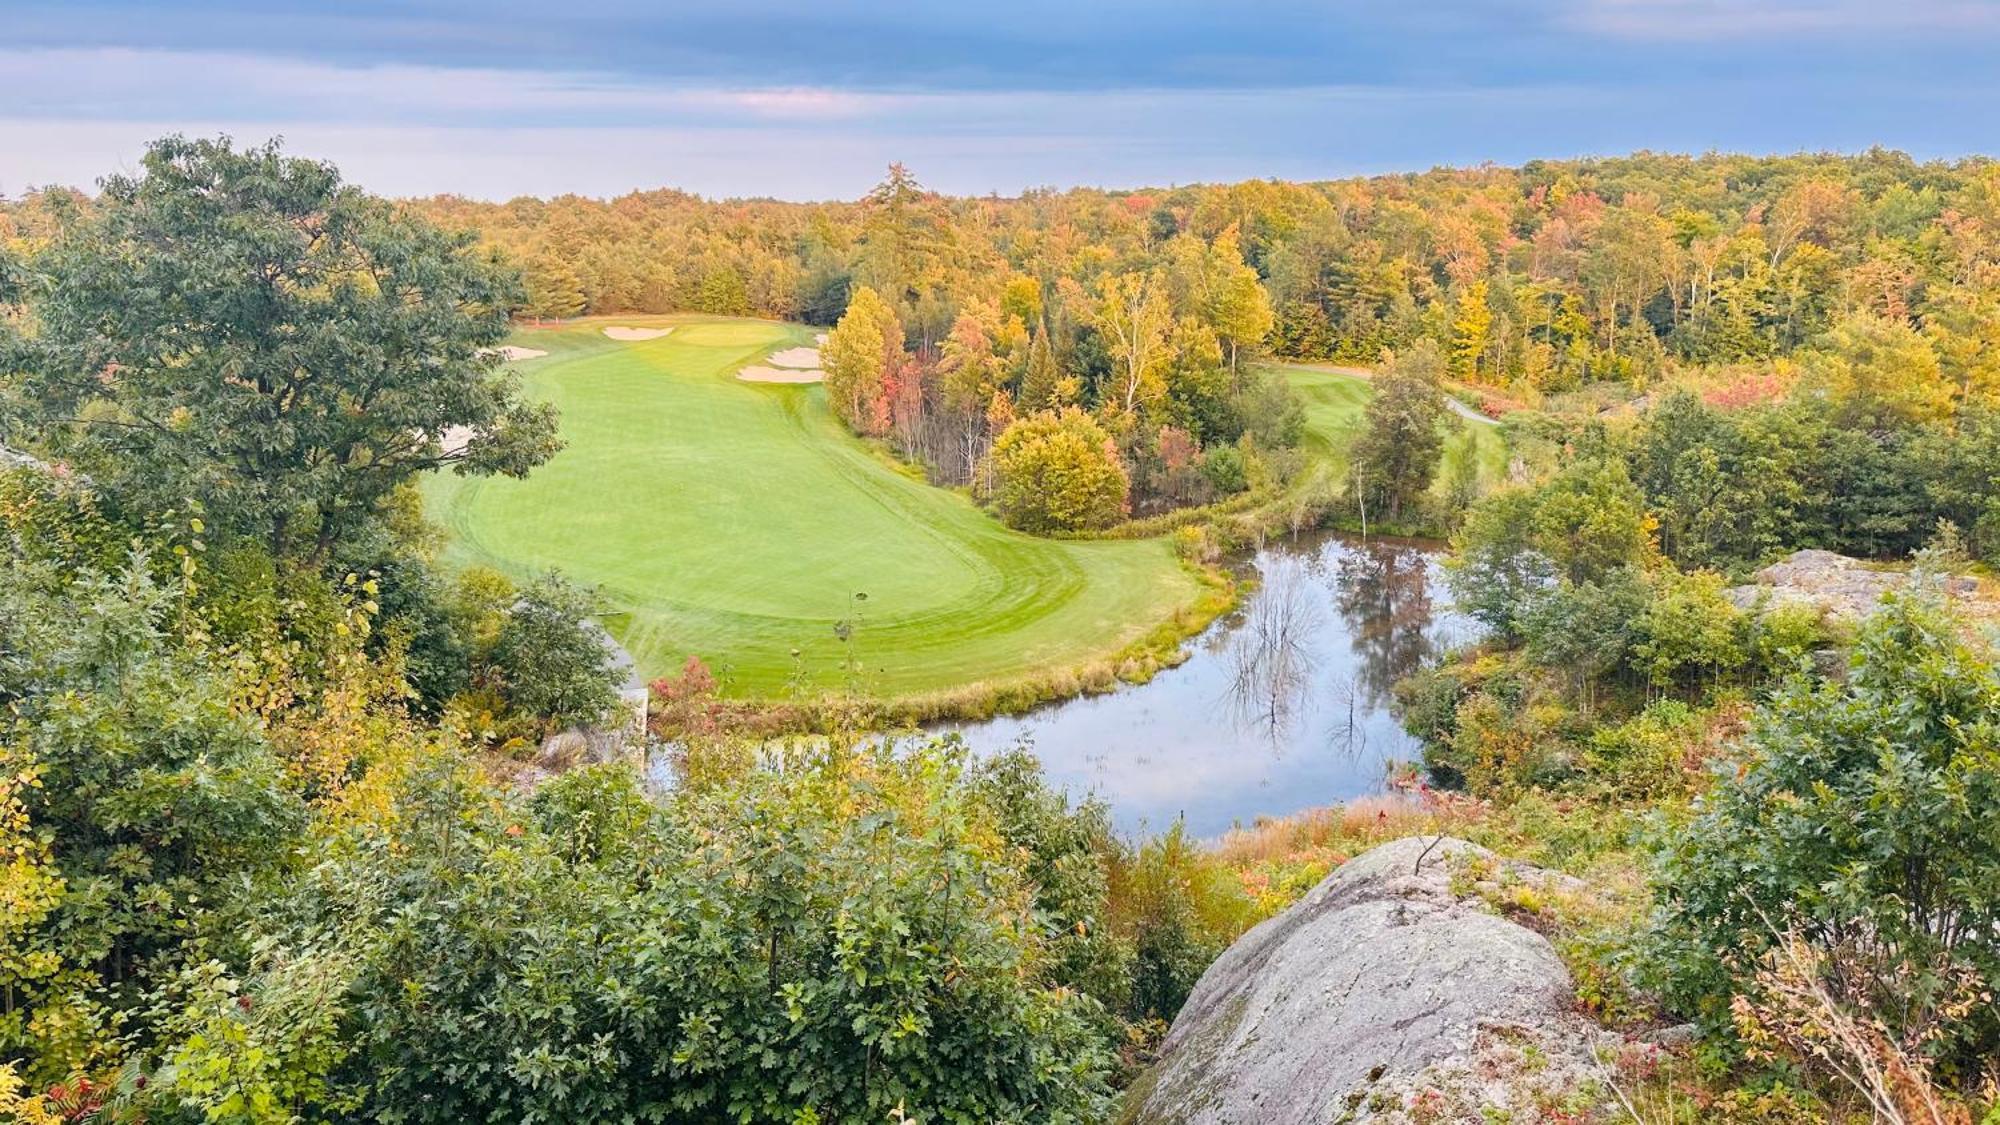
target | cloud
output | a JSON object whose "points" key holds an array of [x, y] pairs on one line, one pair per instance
{"points": [[978, 143], [111, 82], [754, 97]]}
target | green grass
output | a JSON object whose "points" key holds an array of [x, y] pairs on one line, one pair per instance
{"points": [[1335, 401], [735, 521]]}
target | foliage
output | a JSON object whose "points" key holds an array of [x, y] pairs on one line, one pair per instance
{"points": [[1398, 453], [1580, 527], [1065, 855], [1857, 812], [1823, 1008], [863, 355], [1182, 908], [1687, 631], [552, 660], [838, 939], [290, 409], [136, 804], [1058, 472], [1730, 488], [1540, 278]]}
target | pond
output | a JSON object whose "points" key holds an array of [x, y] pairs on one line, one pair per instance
{"points": [[1283, 705]]}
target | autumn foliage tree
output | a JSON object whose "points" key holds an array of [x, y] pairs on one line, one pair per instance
{"points": [[862, 355], [1058, 472]]}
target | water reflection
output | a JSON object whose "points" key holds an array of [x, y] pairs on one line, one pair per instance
{"points": [[1282, 706], [1273, 652]]}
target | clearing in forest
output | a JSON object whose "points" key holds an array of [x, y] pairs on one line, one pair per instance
{"points": [[1336, 401], [739, 522]]}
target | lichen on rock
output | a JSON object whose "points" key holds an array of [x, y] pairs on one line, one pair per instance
{"points": [[1383, 994]]}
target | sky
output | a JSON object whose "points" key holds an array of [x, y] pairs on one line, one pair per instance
{"points": [[497, 98]]}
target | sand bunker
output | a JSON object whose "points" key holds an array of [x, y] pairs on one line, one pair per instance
{"points": [[512, 354], [621, 332], [796, 357], [819, 337], [779, 375]]}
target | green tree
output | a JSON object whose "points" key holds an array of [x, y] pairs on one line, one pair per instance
{"points": [[722, 291], [1688, 630], [836, 940], [1059, 472], [240, 328], [552, 660], [143, 800], [1520, 546], [1402, 443], [1590, 520], [1041, 383], [1496, 571]]}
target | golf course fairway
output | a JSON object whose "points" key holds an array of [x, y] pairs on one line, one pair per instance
{"points": [[739, 522]]}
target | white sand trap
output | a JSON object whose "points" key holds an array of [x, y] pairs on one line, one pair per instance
{"points": [[779, 375], [819, 338], [621, 332], [513, 354], [796, 357]]}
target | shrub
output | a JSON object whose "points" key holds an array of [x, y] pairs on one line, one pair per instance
{"points": [[834, 939], [1059, 472], [551, 659], [1653, 755], [1688, 631], [1223, 468], [1861, 811]]}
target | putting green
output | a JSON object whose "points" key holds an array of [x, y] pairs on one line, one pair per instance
{"points": [[739, 522]]}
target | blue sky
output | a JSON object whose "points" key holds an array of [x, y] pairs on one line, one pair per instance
{"points": [[495, 98]]}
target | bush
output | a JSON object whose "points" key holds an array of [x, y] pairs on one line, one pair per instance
{"points": [[1865, 811], [836, 939], [1059, 472], [1223, 468], [1688, 632], [551, 659], [135, 802]]}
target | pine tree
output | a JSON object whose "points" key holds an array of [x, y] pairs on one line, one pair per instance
{"points": [[554, 290], [1039, 383]]}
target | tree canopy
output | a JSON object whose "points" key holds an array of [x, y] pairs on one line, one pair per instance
{"points": [[241, 329]]}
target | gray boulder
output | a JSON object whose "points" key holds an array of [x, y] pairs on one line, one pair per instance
{"points": [[1384, 991], [1842, 587]]}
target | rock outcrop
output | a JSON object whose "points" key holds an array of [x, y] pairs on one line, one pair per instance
{"points": [[1383, 995], [1840, 586]]}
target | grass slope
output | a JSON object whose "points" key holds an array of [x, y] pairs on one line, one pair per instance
{"points": [[734, 521], [1335, 400]]}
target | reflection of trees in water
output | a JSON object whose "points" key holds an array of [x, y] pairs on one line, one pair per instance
{"points": [[1385, 599], [1271, 655], [1349, 730]]}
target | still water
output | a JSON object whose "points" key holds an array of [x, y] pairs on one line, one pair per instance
{"points": [[1282, 706]]}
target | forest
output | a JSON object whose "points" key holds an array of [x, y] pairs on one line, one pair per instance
{"points": [[1570, 285], [268, 854]]}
